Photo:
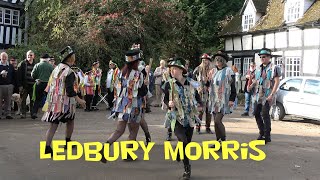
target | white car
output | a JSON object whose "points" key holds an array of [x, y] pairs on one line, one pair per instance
{"points": [[298, 96]]}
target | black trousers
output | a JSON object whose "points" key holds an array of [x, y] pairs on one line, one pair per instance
{"points": [[263, 119], [88, 99], [40, 94], [95, 97], [110, 97], [184, 135], [24, 94]]}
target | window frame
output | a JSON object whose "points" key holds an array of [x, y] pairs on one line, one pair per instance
{"points": [[293, 66], [304, 87], [293, 11], [18, 17], [1, 14], [248, 22], [4, 16], [288, 90], [238, 64], [246, 64]]}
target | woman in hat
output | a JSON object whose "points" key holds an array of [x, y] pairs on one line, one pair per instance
{"points": [[62, 96], [129, 90], [201, 74], [183, 100], [222, 94]]}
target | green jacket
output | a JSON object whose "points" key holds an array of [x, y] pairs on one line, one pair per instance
{"points": [[42, 71]]}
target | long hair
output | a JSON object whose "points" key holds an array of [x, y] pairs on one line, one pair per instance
{"points": [[204, 70], [129, 67]]}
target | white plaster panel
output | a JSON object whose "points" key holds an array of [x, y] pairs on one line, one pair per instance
{"points": [[295, 38], [229, 45], [311, 37], [258, 42], [311, 61], [247, 42], [237, 44], [270, 41], [297, 53], [281, 40]]}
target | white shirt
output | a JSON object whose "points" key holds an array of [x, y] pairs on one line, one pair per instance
{"points": [[109, 78]]}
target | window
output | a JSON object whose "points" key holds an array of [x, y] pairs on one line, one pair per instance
{"points": [[293, 11], [292, 66], [278, 61], [7, 16], [237, 63], [247, 22], [246, 64], [1, 15], [15, 17], [312, 87], [292, 85]]}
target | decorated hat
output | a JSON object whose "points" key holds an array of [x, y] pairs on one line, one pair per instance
{"points": [[133, 55], [177, 62], [223, 55], [205, 56], [66, 53], [265, 51], [95, 62]]}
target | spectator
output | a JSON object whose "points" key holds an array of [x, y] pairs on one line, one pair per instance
{"points": [[7, 79], [158, 79], [112, 73], [14, 63], [26, 82], [41, 73], [248, 89]]}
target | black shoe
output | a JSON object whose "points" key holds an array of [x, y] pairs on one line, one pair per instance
{"points": [[34, 117], [48, 150], [103, 159], [245, 114], [94, 109], [267, 139], [148, 138], [187, 172], [148, 111], [87, 110], [208, 130], [261, 137], [9, 117], [23, 116], [169, 137]]}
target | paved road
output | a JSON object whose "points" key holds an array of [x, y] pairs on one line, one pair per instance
{"points": [[293, 154]]}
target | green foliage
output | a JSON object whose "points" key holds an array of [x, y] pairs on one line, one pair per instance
{"points": [[105, 29]]}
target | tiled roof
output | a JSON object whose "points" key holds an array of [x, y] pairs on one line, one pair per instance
{"points": [[274, 17], [312, 14], [234, 26]]}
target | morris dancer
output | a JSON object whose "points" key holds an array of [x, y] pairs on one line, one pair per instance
{"points": [[181, 97], [222, 94], [60, 105], [129, 90], [97, 73], [266, 84], [201, 74]]}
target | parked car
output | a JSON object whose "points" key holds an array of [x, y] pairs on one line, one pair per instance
{"points": [[298, 96]]}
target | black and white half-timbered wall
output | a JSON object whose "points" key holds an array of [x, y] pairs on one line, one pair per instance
{"points": [[11, 21], [290, 28]]}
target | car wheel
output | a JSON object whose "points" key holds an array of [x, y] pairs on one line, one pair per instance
{"points": [[278, 112]]}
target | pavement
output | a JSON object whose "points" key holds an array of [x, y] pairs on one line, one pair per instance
{"points": [[294, 152]]}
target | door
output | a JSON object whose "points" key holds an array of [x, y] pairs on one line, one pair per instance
{"points": [[311, 99], [291, 96]]}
